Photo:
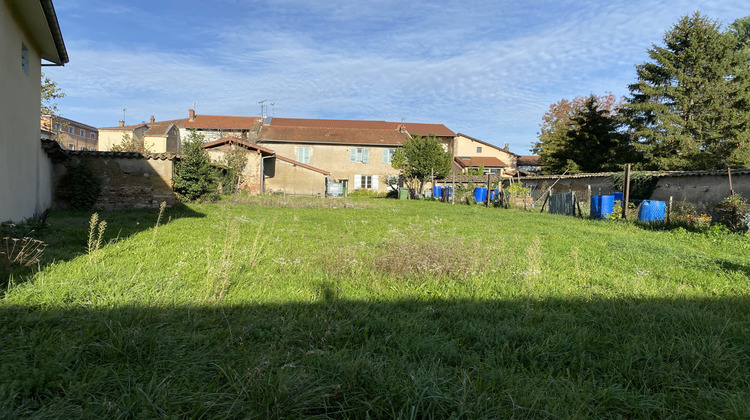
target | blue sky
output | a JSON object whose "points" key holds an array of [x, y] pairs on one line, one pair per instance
{"points": [[488, 69]]}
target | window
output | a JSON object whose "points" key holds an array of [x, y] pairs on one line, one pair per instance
{"points": [[369, 182], [83, 148], [479, 150], [24, 58], [71, 130], [58, 127], [303, 154], [93, 136], [83, 133], [388, 155], [359, 155], [71, 146]]}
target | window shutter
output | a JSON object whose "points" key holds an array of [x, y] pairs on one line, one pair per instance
{"points": [[385, 155], [357, 181], [375, 185], [352, 155], [365, 155]]}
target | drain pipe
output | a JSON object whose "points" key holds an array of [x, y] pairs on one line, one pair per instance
{"points": [[263, 172]]}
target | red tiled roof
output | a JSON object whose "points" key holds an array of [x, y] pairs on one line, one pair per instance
{"points": [[233, 140], [221, 122], [160, 128], [339, 135], [486, 161], [413, 128], [127, 127]]}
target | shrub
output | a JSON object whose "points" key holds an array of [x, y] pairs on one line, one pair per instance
{"points": [[684, 215], [732, 211], [80, 186], [195, 178], [362, 192]]}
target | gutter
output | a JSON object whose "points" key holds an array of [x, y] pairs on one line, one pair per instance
{"points": [[54, 27]]}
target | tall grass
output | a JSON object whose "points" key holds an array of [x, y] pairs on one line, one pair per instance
{"points": [[381, 309]]}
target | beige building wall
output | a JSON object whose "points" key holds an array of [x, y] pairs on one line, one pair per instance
{"points": [[251, 179], [336, 160], [109, 138], [464, 146], [25, 170], [296, 180]]}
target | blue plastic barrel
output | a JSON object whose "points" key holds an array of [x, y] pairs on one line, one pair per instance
{"points": [[480, 195], [437, 191], [602, 206], [450, 191], [652, 211], [618, 196]]}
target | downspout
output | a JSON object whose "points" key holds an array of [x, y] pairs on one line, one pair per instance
{"points": [[263, 172]]}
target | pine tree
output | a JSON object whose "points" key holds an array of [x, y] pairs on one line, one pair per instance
{"points": [[194, 176], [689, 108]]}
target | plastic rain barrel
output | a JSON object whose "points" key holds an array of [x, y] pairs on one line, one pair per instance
{"points": [[450, 191], [652, 211], [480, 195], [602, 206], [618, 196], [437, 192]]}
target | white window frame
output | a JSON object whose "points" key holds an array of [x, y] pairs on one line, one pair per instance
{"points": [[303, 154], [71, 129], [58, 127], [71, 146], [83, 133], [366, 182], [359, 155], [83, 148]]}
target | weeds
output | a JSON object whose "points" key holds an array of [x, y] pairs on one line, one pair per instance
{"points": [[96, 235], [162, 206]]}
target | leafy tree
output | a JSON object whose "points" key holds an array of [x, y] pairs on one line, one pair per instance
{"points": [[557, 121], [235, 161], [194, 176], [130, 144], [690, 108], [422, 157], [50, 92]]}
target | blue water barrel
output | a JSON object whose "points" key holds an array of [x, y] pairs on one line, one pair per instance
{"points": [[450, 191], [652, 211], [602, 206], [480, 195], [618, 196], [437, 191]]}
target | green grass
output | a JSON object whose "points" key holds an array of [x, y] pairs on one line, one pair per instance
{"points": [[375, 308]]}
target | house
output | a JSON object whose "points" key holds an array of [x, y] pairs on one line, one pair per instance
{"points": [[157, 137], [72, 135], [266, 171], [529, 165], [29, 33], [472, 153]]}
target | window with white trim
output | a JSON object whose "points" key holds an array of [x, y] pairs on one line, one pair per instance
{"points": [[71, 146], [303, 154], [388, 155], [71, 130], [83, 148], [359, 155], [58, 127], [83, 133], [369, 182]]}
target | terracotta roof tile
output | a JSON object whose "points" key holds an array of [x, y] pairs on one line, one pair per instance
{"points": [[233, 140], [271, 133], [220, 122], [528, 160], [413, 128]]}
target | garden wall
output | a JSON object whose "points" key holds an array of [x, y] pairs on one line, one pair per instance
{"points": [[705, 189], [128, 180]]}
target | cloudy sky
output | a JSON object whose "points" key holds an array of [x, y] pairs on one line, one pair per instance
{"points": [[489, 69]]}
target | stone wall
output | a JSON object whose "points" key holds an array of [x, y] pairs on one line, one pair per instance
{"points": [[128, 180]]}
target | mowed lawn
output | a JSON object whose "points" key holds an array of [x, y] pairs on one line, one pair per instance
{"points": [[375, 308]]}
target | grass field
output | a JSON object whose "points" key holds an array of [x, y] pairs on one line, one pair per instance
{"points": [[375, 308]]}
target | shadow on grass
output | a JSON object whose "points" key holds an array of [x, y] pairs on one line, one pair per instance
{"points": [[415, 358], [66, 232]]}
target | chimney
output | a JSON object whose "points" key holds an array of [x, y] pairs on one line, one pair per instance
{"points": [[122, 123], [507, 147], [153, 120], [192, 115]]}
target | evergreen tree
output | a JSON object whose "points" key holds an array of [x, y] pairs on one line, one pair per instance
{"points": [[194, 176], [689, 108], [422, 157]]}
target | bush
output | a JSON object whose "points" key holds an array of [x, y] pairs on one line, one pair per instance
{"points": [[80, 186], [195, 178], [363, 192], [684, 215], [732, 212]]}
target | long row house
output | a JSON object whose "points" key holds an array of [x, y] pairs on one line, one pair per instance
{"points": [[302, 156]]}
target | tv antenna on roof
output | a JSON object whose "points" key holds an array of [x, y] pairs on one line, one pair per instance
{"points": [[273, 109], [123, 113], [262, 108]]}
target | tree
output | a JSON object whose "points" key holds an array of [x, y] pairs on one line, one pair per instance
{"points": [[556, 122], [235, 161], [194, 176], [130, 144], [50, 92], [422, 157], [690, 108]]}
